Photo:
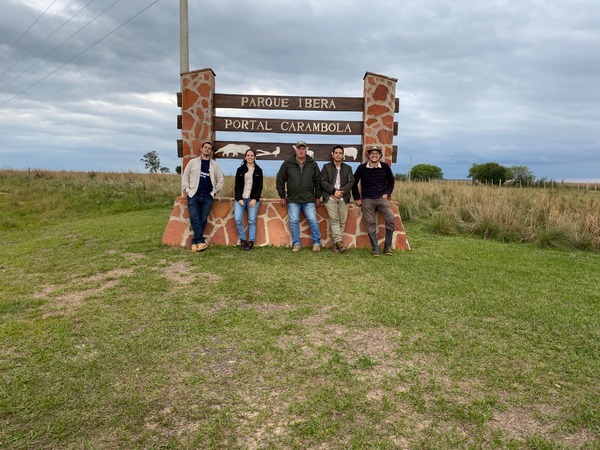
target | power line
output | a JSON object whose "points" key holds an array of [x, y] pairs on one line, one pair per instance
{"points": [[25, 32], [80, 53], [58, 46], [46, 38]]}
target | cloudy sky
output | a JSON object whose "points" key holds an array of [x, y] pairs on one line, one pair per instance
{"points": [[91, 84]]}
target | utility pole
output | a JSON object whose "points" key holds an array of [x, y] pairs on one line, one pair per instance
{"points": [[184, 37]]}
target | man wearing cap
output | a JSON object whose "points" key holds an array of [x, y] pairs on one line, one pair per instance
{"points": [[299, 188], [202, 180], [337, 181], [376, 185]]}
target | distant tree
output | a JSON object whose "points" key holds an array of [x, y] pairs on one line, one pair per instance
{"points": [[178, 170], [400, 176], [151, 161], [426, 172], [165, 170], [521, 175], [489, 172]]}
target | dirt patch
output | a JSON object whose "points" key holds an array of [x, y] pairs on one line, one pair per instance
{"points": [[519, 424], [268, 308], [178, 272], [132, 257], [72, 300], [110, 275]]}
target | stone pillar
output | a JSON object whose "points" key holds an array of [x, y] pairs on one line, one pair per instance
{"points": [[197, 111], [378, 115]]}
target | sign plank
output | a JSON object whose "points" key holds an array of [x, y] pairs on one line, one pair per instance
{"points": [[283, 150], [246, 124], [295, 103]]}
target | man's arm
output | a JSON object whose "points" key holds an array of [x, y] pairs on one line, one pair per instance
{"points": [[185, 179], [317, 182], [326, 185], [391, 181], [219, 177], [357, 177], [347, 182], [281, 180]]}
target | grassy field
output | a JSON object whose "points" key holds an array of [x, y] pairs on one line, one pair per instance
{"points": [[110, 340]]}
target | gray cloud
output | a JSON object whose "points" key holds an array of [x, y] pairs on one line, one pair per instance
{"points": [[511, 82]]}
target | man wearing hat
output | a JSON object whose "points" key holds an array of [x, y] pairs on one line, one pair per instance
{"points": [[299, 188], [376, 185]]}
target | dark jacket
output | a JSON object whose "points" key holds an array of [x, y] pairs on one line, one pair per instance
{"points": [[373, 182], [328, 175], [303, 184], [257, 182]]}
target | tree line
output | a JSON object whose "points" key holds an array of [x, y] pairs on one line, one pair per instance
{"points": [[489, 173]]}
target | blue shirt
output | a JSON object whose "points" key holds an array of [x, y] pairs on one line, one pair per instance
{"points": [[205, 185]]}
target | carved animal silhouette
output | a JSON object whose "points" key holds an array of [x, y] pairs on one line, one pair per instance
{"points": [[233, 149], [351, 151]]}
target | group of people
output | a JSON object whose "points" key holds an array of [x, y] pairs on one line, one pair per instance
{"points": [[300, 185]]}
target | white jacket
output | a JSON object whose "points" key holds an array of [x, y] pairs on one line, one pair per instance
{"points": [[191, 177]]}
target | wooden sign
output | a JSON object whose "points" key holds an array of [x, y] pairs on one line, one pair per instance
{"points": [[283, 150], [246, 124], [292, 103]]}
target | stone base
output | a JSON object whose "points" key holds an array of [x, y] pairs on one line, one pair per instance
{"points": [[272, 227]]}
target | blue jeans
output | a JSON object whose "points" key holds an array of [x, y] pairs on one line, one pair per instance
{"points": [[238, 214], [310, 212], [199, 208]]}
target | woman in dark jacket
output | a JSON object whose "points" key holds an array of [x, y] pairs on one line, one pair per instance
{"points": [[248, 189]]}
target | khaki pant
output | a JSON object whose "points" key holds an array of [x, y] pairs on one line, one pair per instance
{"points": [[369, 208], [337, 210]]}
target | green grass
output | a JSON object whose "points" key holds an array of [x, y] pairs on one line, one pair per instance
{"points": [[110, 340]]}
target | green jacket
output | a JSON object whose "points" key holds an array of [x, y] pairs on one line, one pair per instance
{"points": [[303, 185], [328, 175]]}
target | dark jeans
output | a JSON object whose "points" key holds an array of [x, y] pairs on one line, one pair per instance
{"points": [[199, 208]]}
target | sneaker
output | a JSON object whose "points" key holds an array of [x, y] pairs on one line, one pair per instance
{"points": [[249, 246], [194, 247], [201, 247], [296, 248], [341, 247], [243, 244], [316, 248], [335, 248]]}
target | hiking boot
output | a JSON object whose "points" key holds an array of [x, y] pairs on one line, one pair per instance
{"points": [[243, 244], [374, 244], [335, 248], [296, 248], [316, 248], [340, 246], [249, 246], [194, 247], [387, 247], [201, 247]]}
